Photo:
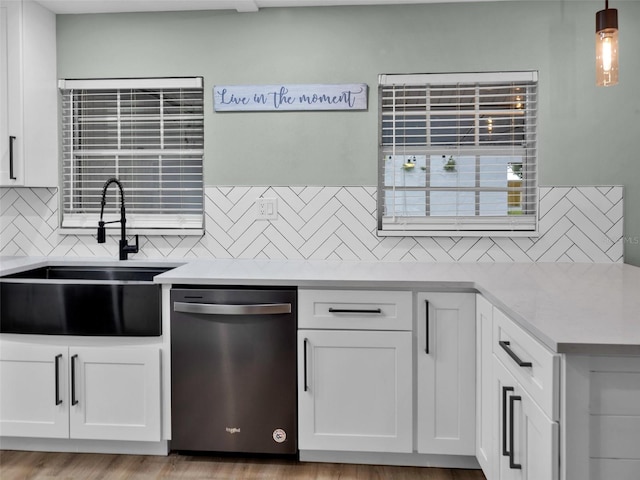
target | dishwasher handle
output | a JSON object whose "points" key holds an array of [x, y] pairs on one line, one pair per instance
{"points": [[226, 309]]}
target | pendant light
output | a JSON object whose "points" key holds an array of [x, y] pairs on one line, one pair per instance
{"points": [[607, 46]]}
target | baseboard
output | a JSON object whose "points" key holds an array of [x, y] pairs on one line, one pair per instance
{"points": [[84, 446], [397, 459]]}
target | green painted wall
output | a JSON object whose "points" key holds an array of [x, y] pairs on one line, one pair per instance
{"points": [[587, 135]]}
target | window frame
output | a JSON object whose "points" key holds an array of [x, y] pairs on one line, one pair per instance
{"points": [[443, 225], [167, 220]]}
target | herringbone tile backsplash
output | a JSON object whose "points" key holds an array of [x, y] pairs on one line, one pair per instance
{"points": [[577, 224]]}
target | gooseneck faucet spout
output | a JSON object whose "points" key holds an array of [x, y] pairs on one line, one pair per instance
{"points": [[124, 247]]}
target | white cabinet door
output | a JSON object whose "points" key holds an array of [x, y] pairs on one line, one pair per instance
{"points": [[527, 438], [446, 373], [484, 384], [355, 391], [115, 393], [40, 96], [33, 391], [28, 95], [506, 425], [10, 93], [536, 446]]}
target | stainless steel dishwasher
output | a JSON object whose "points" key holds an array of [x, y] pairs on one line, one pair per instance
{"points": [[233, 370]]}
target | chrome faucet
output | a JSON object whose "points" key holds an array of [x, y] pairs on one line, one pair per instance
{"points": [[124, 247]]}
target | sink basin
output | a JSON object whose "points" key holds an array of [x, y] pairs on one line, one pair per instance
{"points": [[92, 272], [82, 300]]}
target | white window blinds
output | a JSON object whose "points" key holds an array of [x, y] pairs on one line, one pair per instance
{"points": [[457, 154], [149, 134]]}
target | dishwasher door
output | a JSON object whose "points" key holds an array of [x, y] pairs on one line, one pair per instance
{"points": [[233, 370]]}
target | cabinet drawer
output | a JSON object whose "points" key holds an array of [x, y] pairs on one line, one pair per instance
{"points": [[535, 367], [354, 309]]}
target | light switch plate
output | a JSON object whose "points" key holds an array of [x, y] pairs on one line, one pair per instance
{"points": [[267, 208]]}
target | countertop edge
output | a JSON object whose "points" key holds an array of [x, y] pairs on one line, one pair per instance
{"points": [[598, 349]]}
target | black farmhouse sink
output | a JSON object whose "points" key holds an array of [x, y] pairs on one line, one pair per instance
{"points": [[82, 300], [91, 272]]}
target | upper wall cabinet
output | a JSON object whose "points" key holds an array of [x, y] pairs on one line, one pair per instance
{"points": [[28, 95]]}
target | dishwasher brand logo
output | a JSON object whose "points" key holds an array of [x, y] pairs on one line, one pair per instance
{"points": [[232, 430]]}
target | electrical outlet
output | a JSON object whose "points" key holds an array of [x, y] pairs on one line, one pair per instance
{"points": [[267, 208]]}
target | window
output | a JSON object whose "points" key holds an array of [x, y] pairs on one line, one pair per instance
{"points": [[457, 154], [149, 134]]}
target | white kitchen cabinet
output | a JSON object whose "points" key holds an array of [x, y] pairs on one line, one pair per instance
{"points": [[446, 371], [527, 444], [115, 394], [518, 401], [10, 111], [355, 391], [28, 95], [484, 390], [503, 387], [99, 393], [33, 390]]}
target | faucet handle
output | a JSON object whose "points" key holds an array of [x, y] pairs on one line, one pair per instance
{"points": [[130, 248], [126, 249]]}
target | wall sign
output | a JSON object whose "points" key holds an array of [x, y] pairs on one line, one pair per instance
{"points": [[254, 98]]}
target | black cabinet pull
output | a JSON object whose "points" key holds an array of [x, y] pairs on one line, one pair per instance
{"points": [[74, 400], [505, 390], [11, 140], [354, 310], [306, 387], [512, 462], [505, 346], [426, 321], [57, 367]]}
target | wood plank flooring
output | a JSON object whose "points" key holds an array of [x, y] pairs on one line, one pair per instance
{"points": [[71, 466]]}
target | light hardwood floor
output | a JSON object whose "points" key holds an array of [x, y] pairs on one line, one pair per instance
{"points": [[72, 466]]}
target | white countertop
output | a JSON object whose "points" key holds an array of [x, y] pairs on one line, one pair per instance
{"points": [[570, 307]]}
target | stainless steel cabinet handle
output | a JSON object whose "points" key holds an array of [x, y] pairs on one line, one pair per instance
{"points": [[512, 462], [505, 346], [224, 309]]}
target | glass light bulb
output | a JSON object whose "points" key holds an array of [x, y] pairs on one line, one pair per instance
{"points": [[606, 54], [607, 57]]}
